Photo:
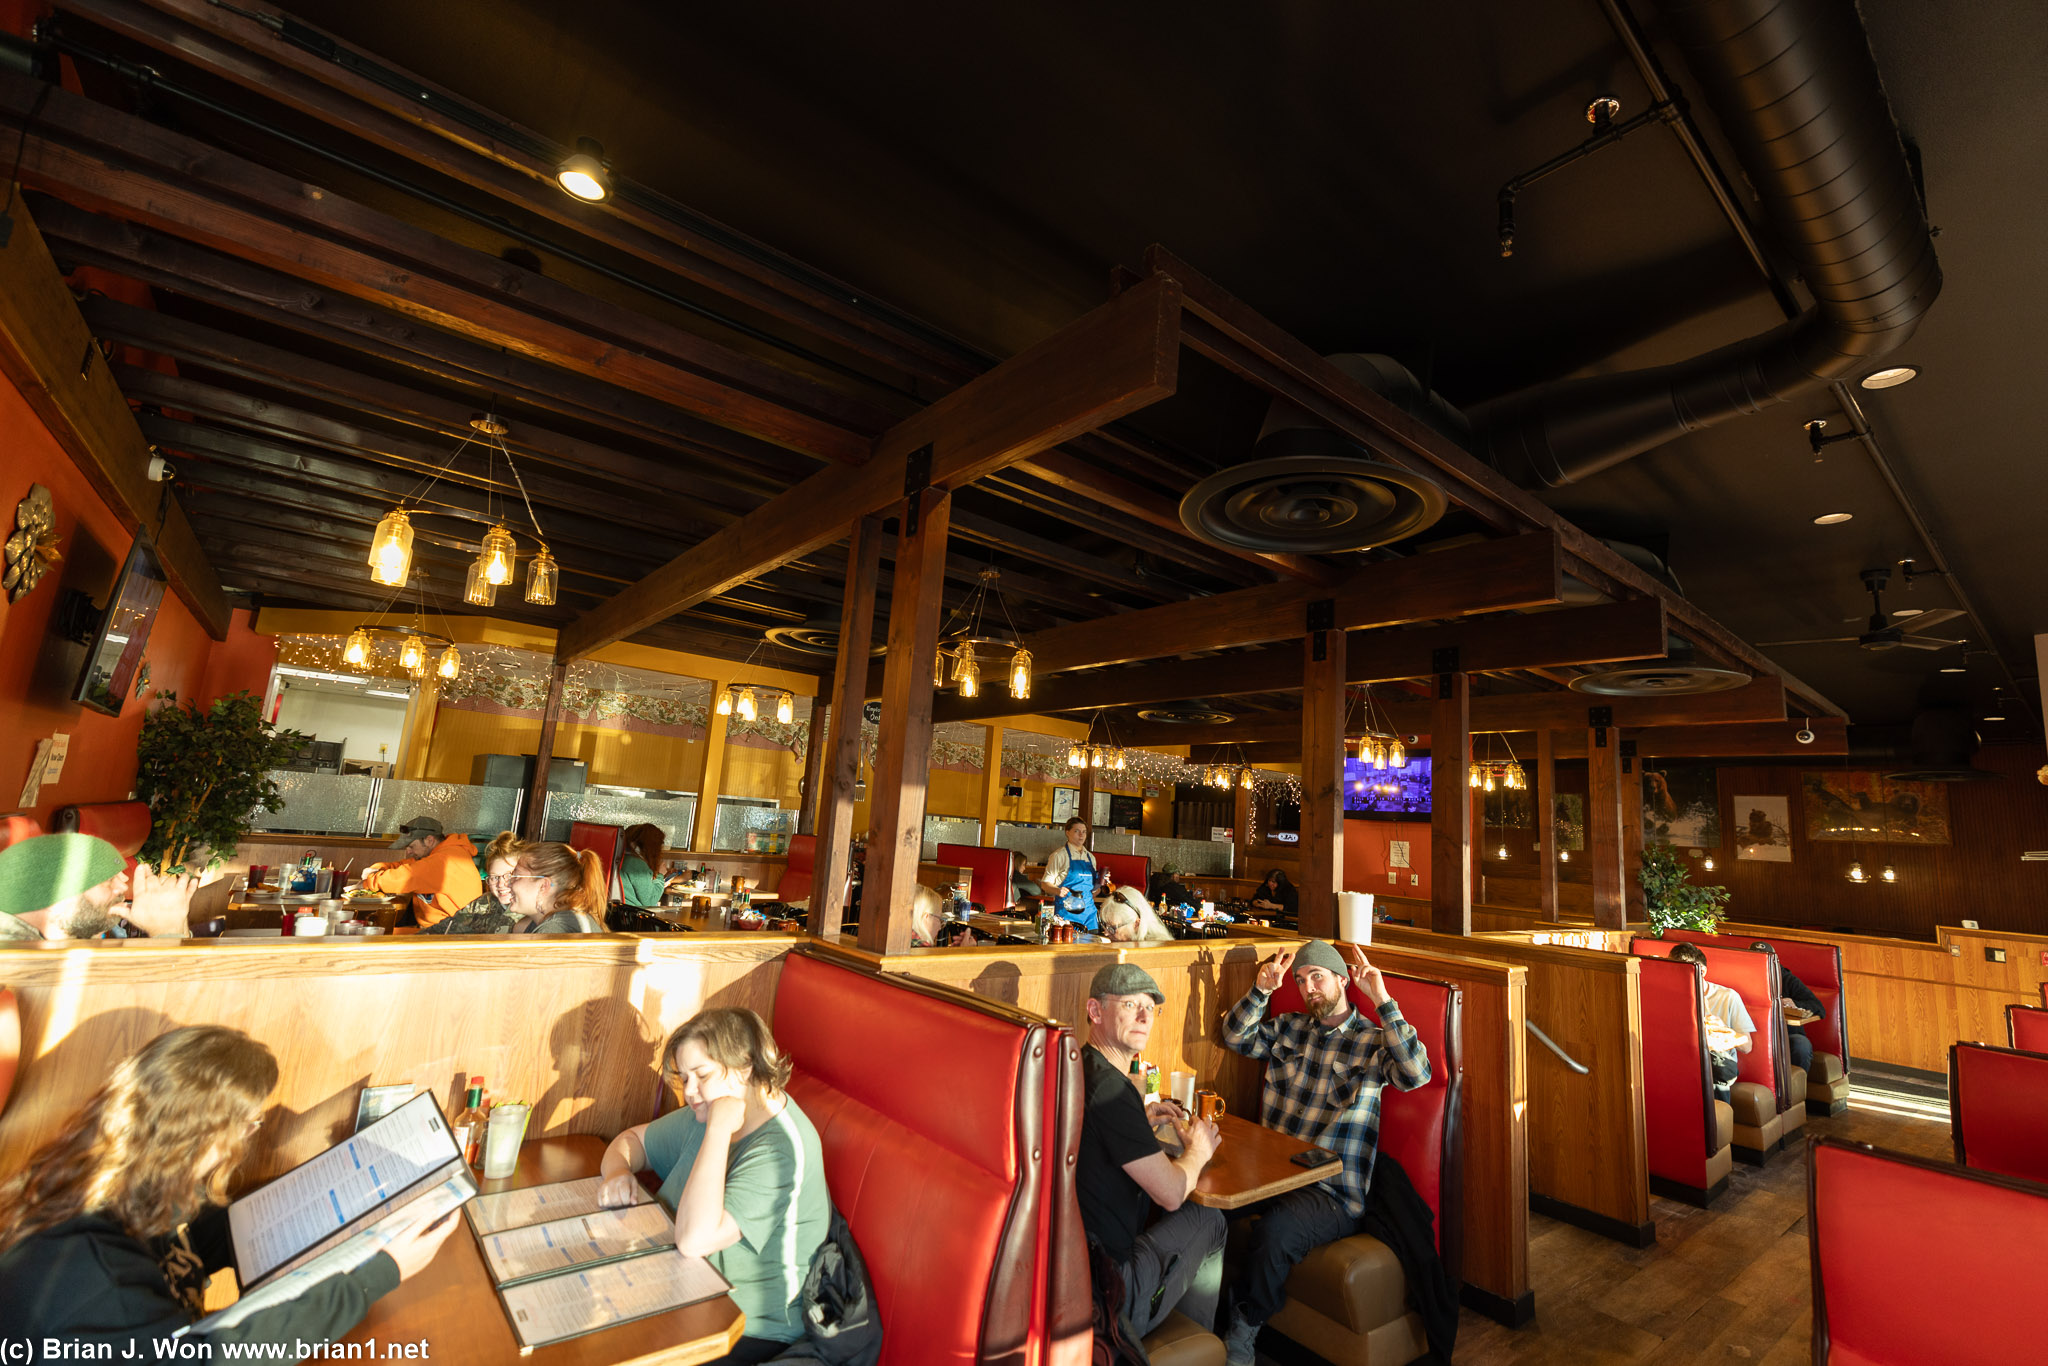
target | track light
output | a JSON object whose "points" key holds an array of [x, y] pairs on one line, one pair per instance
{"points": [[583, 173], [1891, 377]]}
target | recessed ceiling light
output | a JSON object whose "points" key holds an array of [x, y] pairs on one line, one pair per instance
{"points": [[584, 173], [1907, 611], [1833, 518], [1994, 718], [1891, 377], [1954, 669]]}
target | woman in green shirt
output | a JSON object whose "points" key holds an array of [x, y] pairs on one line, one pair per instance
{"points": [[640, 880], [742, 1168]]}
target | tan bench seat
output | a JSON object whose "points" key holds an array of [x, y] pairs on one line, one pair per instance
{"points": [[1348, 1302], [1827, 1084], [1759, 1128], [1180, 1341]]}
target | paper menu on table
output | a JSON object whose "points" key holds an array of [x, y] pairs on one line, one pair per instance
{"points": [[304, 1212], [539, 1204], [578, 1302], [603, 1235]]}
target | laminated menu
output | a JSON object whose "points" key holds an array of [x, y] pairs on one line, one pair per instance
{"points": [[565, 1266]]}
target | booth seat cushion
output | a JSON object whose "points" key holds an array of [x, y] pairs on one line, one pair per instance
{"points": [[1795, 1085], [1752, 1105], [14, 829], [125, 825], [1825, 1069], [1724, 1124], [1180, 1341], [1356, 1281]]}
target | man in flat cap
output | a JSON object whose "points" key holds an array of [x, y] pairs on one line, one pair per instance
{"points": [[1123, 1176], [68, 887], [438, 868], [1325, 1068]]}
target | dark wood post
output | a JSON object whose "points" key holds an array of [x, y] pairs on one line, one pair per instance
{"points": [[1450, 800], [1322, 777], [809, 799], [1632, 833], [903, 763], [1603, 824], [1086, 805], [841, 766], [533, 821], [1546, 821]]}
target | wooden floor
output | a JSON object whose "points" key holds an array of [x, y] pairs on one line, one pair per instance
{"points": [[1730, 1284]]}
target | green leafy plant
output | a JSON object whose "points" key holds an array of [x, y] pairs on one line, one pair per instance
{"points": [[205, 772], [1672, 899]]}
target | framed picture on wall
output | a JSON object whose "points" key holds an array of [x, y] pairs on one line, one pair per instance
{"points": [[1682, 806], [1066, 804], [1873, 808], [1763, 829]]}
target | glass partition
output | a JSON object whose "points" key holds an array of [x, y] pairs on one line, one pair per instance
{"points": [[479, 812], [319, 804], [1202, 858], [940, 830], [743, 824], [623, 807]]}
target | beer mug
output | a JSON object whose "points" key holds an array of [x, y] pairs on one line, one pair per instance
{"points": [[1208, 1105]]}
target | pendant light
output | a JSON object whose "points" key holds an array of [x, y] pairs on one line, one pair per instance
{"points": [[497, 556], [1397, 754], [1076, 758], [1564, 856], [1020, 675], [967, 673], [1707, 864], [724, 704], [391, 549], [477, 590], [412, 656], [745, 705], [939, 669], [356, 653], [542, 577], [785, 709], [1856, 873], [451, 663]]}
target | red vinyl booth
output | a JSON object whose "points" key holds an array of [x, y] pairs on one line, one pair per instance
{"points": [[1338, 1298], [991, 881], [1769, 1097], [1129, 870], [937, 1169], [798, 880], [16, 828], [1819, 966], [10, 1043], [1998, 1109], [1690, 1132], [2027, 1027], [125, 825], [602, 840], [1965, 1233]]}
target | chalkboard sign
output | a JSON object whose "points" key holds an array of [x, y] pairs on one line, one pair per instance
{"points": [[1126, 813]]}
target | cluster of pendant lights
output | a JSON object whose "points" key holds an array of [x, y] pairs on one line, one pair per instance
{"points": [[497, 557], [1227, 776], [1491, 775], [1382, 751], [1861, 878], [1109, 758], [958, 663], [744, 700], [357, 651]]}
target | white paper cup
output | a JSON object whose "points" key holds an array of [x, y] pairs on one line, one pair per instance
{"points": [[309, 926], [503, 1133], [1183, 1084]]}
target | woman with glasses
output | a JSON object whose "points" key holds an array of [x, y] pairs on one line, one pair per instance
{"points": [[557, 890], [108, 1235], [492, 912]]}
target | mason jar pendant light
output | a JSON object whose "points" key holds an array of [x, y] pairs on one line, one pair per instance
{"points": [[745, 705], [497, 557], [967, 673], [785, 709], [357, 652], [391, 549], [451, 663], [962, 633], [477, 590], [541, 578], [1020, 675], [724, 707], [411, 656]]}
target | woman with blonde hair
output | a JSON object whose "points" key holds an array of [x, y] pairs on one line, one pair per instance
{"points": [[491, 912], [557, 890], [742, 1168], [109, 1233]]}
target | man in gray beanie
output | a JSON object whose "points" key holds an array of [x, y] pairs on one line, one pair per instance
{"points": [[1122, 1173], [67, 887], [1325, 1068]]}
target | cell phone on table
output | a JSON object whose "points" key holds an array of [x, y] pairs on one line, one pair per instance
{"points": [[1314, 1157]]}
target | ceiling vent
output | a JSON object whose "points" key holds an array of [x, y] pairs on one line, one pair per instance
{"points": [[811, 638], [1185, 716], [1659, 680]]}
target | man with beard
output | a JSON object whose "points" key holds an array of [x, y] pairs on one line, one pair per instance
{"points": [[1324, 1070], [67, 886]]}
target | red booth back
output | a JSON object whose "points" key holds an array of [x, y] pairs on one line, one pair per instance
{"points": [[1998, 1109], [125, 825], [16, 828], [1129, 870], [1867, 1208], [991, 883], [1817, 965], [1419, 1128], [936, 1163], [10, 1043], [1678, 1086], [602, 840], [1754, 977], [798, 878], [2027, 1027]]}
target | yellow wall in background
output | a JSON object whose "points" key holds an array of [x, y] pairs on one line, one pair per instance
{"points": [[621, 758]]}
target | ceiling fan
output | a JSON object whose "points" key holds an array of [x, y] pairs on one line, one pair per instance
{"points": [[1882, 633]]}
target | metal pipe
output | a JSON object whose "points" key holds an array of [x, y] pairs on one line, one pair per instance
{"points": [[1551, 1044]]}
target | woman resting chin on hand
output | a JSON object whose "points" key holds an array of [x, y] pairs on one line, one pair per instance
{"points": [[742, 1168]]}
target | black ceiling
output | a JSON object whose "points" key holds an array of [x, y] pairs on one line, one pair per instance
{"points": [[1336, 165]]}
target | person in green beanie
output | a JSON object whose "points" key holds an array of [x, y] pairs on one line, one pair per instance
{"points": [[67, 887]]}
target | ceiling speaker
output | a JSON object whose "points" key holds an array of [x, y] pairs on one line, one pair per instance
{"points": [[1658, 680], [1311, 491], [1183, 716]]}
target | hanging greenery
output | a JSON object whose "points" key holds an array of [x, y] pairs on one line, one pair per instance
{"points": [[1673, 901], [205, 772]]}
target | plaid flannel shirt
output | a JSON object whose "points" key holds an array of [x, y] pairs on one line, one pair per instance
{"points": [[1323, 1081]]}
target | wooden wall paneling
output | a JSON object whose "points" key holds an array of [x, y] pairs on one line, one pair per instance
{"points": [[903, 756], [533, 818], [833, 857], [1546, 822], [571, 1025], [1450, 836], [1322, 781], [1603, 826]]}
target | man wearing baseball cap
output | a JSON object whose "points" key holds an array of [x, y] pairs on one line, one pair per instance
{"points": [[67, 887], [1122, 1175], [438, 868], [1325, 1068]]}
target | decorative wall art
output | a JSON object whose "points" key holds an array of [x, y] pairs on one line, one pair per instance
{"points": [[32, 549], [1763, 829], [1869, 807], [1568, 809], [1682, 806]]}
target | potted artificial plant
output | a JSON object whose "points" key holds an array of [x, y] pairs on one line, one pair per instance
{"points": [[205, 772], [1673, 901]]}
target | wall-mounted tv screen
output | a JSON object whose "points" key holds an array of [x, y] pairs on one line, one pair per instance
{"points": [[115, 651], [1388, 794]]}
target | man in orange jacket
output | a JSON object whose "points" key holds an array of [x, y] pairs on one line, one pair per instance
{"points": [[438, 868]]}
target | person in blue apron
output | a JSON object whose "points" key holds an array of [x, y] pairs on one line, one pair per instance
{"points": [[1070, 878]]}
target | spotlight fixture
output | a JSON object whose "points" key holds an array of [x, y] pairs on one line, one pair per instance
{"points": [[584, 174], [1889, 874], [1856, 873], [1707, 864], [1564, 856], [1834, 518], [1891, 377]]}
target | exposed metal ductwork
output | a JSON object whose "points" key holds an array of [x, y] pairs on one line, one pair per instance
{"points": [[1797, 92]]}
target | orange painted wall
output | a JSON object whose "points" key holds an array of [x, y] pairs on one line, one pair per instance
{"points": [[1365, 857]]}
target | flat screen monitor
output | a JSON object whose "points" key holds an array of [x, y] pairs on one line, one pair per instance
{"points": [[1388, 794], [115, 651]]}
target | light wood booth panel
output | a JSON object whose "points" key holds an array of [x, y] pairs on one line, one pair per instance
{"points": [[572, 1025], [1488, 917], [1587, 1133]]}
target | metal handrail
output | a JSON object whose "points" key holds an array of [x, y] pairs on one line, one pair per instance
{"points": [[1567, 1059]]}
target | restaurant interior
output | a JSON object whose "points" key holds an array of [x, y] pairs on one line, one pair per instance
{"points": [[1541, 480]]}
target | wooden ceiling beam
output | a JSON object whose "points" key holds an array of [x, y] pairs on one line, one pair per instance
{"points": [[1491, 576], [102, 159], [1113, 360], [47, 351], [1086, 516], [1607, 633]]}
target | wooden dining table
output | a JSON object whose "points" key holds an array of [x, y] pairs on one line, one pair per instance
{"points": [[1254, 1163], [452, 1308]]}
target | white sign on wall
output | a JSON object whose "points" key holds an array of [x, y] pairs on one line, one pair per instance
{"points": [[1397, 853]]}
